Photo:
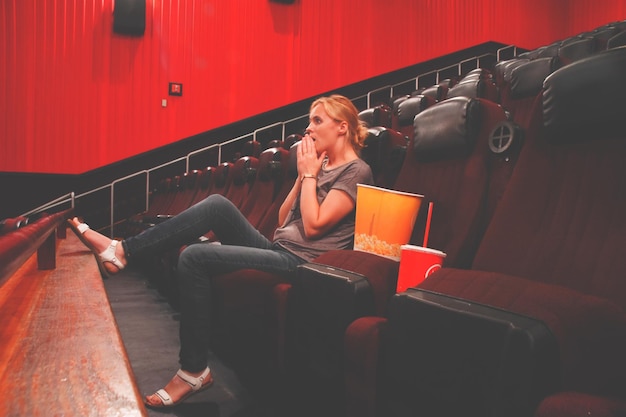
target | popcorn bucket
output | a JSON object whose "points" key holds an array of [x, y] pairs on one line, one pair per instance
{"points": [[384, 220]]}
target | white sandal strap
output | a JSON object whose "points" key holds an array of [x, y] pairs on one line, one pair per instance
{"points": [[108, 255], [82, 227], [194, 382], [164, 396]]}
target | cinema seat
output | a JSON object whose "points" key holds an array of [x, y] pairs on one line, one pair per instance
{"points": [[243, 173], [269, 177], [552, 253], [447, 161], [522, 84], [578, 49], [475, 85], [408, 109], [379, 115], [204, 185], [268, 224], [187, 188], [384, 152], [616, 41], [222, 178]]}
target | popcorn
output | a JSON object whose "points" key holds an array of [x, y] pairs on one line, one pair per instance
{"points": [[372, 244]]}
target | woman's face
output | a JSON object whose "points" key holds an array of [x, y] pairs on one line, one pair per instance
{"points": [[323, 129]]}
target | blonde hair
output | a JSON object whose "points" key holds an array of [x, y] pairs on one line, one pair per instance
{"points": [[342, 109]]}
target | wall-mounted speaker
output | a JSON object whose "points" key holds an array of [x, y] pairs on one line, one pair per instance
{"points": [[129, 17]]}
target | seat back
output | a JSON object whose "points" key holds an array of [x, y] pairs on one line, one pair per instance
{"points": [[288, 174], [521, 85], [222, 178], [269, 176], [561, 218], [447, 161], [408, 109], [162, 197], [502, 70], [204, 186], [243, 175], [384, 152], [188, 187], [395, 104]]}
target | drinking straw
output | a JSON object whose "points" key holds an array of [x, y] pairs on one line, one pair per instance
{"points": [[427, 231]]}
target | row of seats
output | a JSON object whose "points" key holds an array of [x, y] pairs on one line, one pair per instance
{"points": [[532, 260], [528, 191], [255, 182]]}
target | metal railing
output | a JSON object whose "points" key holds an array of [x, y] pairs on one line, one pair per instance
{"points": [[456, 69]]}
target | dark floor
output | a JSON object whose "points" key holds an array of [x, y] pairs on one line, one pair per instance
{"points": [[149, 329]]}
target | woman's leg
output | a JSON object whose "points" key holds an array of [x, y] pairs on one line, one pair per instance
{"points": [[215, 213], [196, 264]]}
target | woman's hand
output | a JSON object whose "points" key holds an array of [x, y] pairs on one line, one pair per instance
{"points": [[308, 160]]}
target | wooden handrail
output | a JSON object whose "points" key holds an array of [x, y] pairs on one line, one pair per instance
{"points": [[18, 245], [61, 352]]}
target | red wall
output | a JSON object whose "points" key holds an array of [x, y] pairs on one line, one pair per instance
{"points": [[78, 97]]}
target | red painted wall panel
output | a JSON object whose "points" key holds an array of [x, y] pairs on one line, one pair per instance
{"points": [[78, 97]]}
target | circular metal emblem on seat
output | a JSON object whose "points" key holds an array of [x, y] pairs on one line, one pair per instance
{"points": [[504, 137]]}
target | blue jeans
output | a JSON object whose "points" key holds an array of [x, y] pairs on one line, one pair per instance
{"points": [[242, 247]]}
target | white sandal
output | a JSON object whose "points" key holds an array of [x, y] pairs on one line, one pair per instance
{"points": [[197, 384], [106, 256]]}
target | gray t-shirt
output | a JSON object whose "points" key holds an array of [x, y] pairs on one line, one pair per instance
{"points": [[341, 236]]}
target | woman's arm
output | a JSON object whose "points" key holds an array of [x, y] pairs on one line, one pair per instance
{"points": [[317, 218], [308, 164], [320, 218], [285, 207]]}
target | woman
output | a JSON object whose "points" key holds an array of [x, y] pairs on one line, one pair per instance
{"points": [[316, 216]]}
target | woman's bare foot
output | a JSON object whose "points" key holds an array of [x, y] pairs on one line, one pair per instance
{"points": [[180, 387], [110, 253]]}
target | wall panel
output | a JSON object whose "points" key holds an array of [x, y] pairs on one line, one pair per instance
{"points": [[77, 97]]}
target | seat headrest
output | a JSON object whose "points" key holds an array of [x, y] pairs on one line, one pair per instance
{"points": [[585, 99], [527, 79], [222, 173], [480, 73], [395, 103], [436, 91], [376, 116], [190, 179], [244, 170], [270, 164], [447, 130], [206, 178], [503, 69], [291, 139], [616, 41], [576, 50], [251, 148], [548, 50], [474, 87], [412, 106]]}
